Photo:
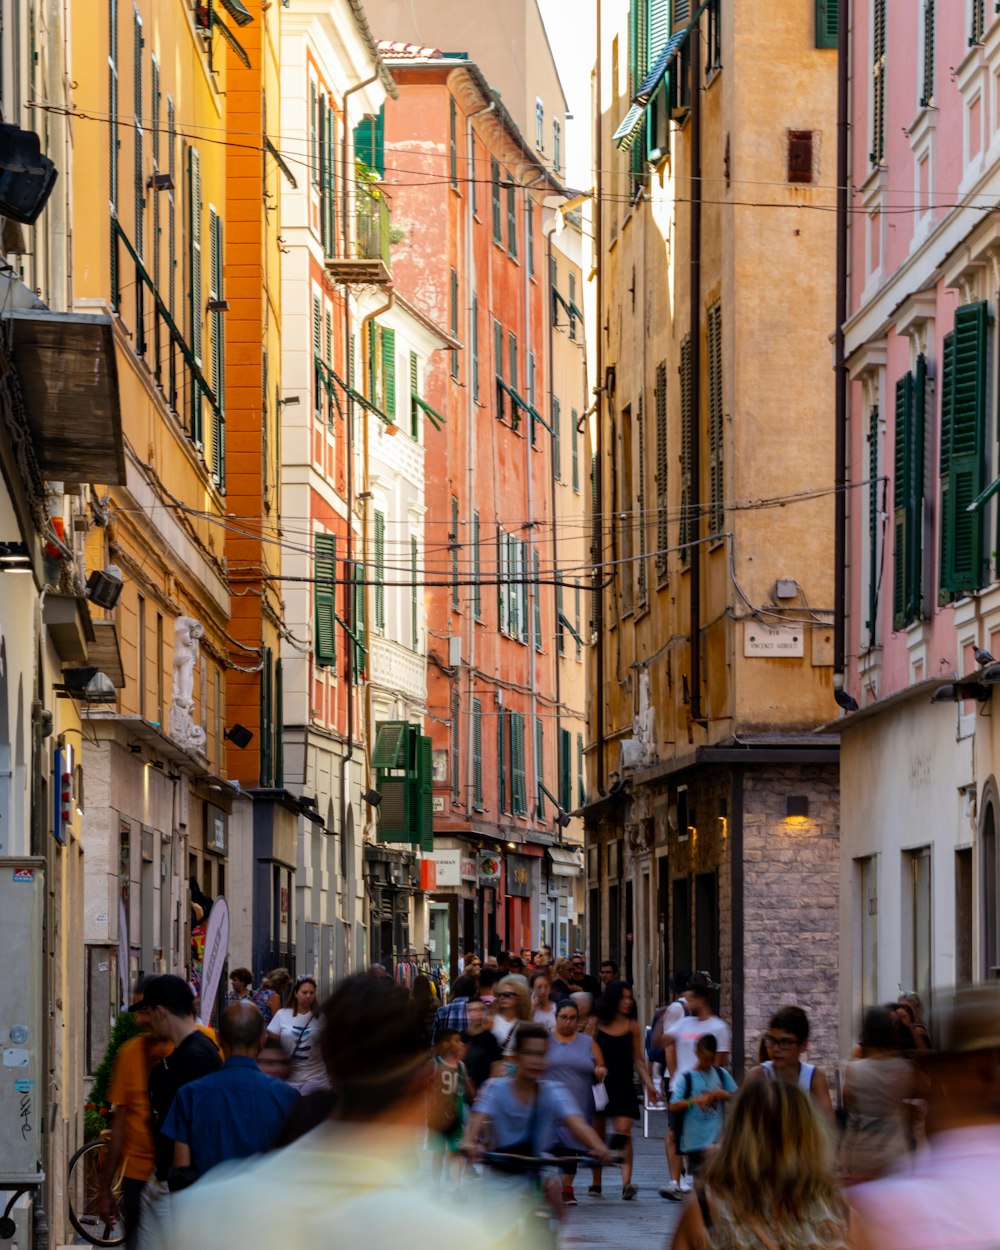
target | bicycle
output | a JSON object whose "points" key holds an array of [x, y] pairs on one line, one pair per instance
{"points": [[83, 1182]]}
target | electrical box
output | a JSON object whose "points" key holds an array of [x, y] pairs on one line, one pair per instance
{"points": [[22, 910]]}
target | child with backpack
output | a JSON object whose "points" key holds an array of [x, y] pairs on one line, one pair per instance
{"points": [[450, 1094], [698, 1097]]}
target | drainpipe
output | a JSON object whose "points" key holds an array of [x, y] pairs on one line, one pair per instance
{"points": [[693, 416], [555, 518], [347, 200], [598, 524], [840, 378], [472, 442]]}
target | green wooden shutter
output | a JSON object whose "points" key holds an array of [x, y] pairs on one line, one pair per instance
{"points": [[581, 787], [536, 570], [640, 527], [900, 496], [686, 528], [512, 354], [502, 761], [662, 504], [113, 141], [473, 174], [477, 755], [321, 173], [414, 394], [453, 544], [452, 143], [519, 798], [425, 793], [495, 191], [522, 590], [139, 136], [195, 300], [379, 569], [359, 622], [657, 28], [878, 83], [453, 309], [927, 77], [962, 560], [279, 725], [317, 344], [556, 449], [266, 718], [576, 622], [475, 347], [596, 544], [477, 590], [565, 770], [716, 439], [218, 323], [369, 142], [529, 228], [501, 581], [574, 418], [560, 631], [539, 768], [456, 731], [389, 371], [874, 512], [171, 213], [827, 23], [325, 598], [915, 500], [511, 220], [414, 600]]}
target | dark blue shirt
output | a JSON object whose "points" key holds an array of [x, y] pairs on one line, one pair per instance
{"points": [[232, 1114]]}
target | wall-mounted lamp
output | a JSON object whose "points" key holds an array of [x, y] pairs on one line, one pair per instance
{"points": [[104, 587], [372, 798], [15, 558], [797, 807], [217, 306], [135, 748], [159, 182], [510, 846], [289, 401], [239, 736]]}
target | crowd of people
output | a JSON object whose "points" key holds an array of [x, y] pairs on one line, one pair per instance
{"points": [[528, 1074]]}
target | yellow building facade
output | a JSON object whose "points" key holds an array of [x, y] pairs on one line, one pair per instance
{"points": [[713, 810]]}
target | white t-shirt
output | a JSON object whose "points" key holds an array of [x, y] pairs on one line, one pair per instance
{"points": [[685, 1034], [548, 1018], [299, 1037]]}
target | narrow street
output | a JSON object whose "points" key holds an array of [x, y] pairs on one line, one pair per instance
{"points": [[648, 1221]]}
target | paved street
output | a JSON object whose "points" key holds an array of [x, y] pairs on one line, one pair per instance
{"points": [[648, 1221]]}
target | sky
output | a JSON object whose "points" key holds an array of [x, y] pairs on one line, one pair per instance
{"points": [[570, 25]]}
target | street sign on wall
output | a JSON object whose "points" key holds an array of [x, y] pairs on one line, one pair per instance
{"points": [[22, 903]]}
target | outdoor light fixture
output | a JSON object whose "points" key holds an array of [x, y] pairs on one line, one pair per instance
{"points": [[135, 748], [945, 694], [510, 846], [100, 689], [217, 306], [563, 819], [239, 736], [104, 587], [957, 691], [26, 175], [15, 558], [797, 807], [372, 798], [159, 182], [289, 401]]}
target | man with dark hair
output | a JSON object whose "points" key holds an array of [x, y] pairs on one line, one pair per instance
{"points": [[580, 978], [351, 1181], [232, 1114], [785, 1042], [454, 1015]]}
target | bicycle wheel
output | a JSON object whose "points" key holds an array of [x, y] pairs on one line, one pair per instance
{"points": [[83, 1185]]}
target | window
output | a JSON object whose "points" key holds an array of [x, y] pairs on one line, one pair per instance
{"points": [[639, 528], [495, 196], [529, 233], [388, 342], [560, 616], [539, 768], [686, 529], [991, 896], [140, 673], [317, 345], [503, 798], [313, 133], [916, 935], [511, 219], [874, 515], [536, 581], [195, 306], [877, 153], [963, 422], [927, 76], [475, 348], [978, 22], [452, 143], [576, 614], [556, 451], [572, 305], [171, 208], [575, 447], [453, 307], [662, 527], [518, 791], [539, 125], [556, 145], [581, 786], [414, 396], [325, 599], [477, 596], [498, 363], [477, 755], [359, 575], [512, 356], [113, 134], [827, 23], [139, 135], [369, 141], [414, 595], [453, 546], [216, 295], [455, 733], [716, 431], [908, 496], [473, 174], [565, 770], [713, 42], [379, 570]]}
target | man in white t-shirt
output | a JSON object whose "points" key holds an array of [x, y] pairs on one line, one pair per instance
{"points": [[679, 1043]]}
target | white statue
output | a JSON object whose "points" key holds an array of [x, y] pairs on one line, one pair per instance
{"points": [[183, 728]]}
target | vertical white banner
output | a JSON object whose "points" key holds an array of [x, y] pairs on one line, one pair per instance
{"points": [[216, 950], [123, 949]]}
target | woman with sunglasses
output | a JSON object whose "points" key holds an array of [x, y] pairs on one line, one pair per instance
{"points": [[298, 1028], [511, 1008], [785, 1042]]}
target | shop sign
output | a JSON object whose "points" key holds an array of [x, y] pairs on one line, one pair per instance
{"points": [[489, 869], [467, 867], [519, 876], [449, 867], [428, 874]]}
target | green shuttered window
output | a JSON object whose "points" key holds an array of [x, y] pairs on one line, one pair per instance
{"points": [[877, 153], [477, 590], [216, 270], [963, 424], [379, 570], [874, 511], [495, 193], [686, 528], [518, 791], [452, 143], [502, 793], [477, 755], [388, 371], [556, 445], [574, 418], [908, 496], [827, 23], [325, 599], [716, 440], [453, 312], [453, 544], [414, 596], [662, 527], [565, 770], [511, 220], [539, 768], [581, 786], [456, 729]]}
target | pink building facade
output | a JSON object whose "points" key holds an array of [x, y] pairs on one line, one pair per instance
{"points": [[919, 799]]}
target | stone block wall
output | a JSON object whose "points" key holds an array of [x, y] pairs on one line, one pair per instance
{"points": [[791, 907]]}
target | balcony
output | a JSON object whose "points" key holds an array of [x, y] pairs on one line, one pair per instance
{"points": [[398, 669], [370, 264]]}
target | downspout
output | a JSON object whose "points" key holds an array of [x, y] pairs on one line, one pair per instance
{"points": [[693, 416], [347, 201], [840, 378], [597, 538], [472, 443], [736, 922], [555, 518]]}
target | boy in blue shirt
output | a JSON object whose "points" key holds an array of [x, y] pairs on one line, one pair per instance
{"points": [[700, 1093]]}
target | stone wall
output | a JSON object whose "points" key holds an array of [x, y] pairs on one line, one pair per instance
{"points": [[791, 892]]}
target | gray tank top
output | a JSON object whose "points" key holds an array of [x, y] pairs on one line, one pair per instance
{"points": [[806, 1071]]}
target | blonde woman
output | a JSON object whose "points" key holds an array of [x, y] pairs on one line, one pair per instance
{"points": [[770, 1184], [511, 1007]]}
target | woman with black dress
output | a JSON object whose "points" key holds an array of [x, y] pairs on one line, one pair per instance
{"points": [[620, 1042]]}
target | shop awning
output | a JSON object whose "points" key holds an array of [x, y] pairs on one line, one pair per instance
{"points": [[564, 862]]}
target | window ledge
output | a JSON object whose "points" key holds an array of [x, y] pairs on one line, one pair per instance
{"points": [[712, 75], [923, 126]]}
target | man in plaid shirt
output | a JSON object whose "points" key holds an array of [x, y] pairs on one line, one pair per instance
{"points": [[454, 1014]]}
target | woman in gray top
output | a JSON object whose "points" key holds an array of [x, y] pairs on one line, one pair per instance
{"points": [[576, 1062], [877, 1088]]}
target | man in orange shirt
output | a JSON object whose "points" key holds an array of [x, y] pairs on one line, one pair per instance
{"points": [[131, 1146]]}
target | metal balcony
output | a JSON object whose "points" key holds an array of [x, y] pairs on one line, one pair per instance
{"points": [[370, 264]]}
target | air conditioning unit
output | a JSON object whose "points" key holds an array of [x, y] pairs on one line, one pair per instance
{"points": [[631, 754]]}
